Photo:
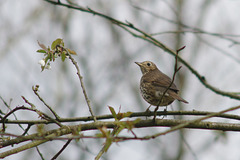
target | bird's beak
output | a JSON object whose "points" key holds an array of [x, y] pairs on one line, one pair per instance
{"points": [[138, 63]]}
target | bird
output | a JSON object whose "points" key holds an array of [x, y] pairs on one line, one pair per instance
{"points": [[155, 83]]}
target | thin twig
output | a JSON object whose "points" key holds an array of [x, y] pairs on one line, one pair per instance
{"points": [[41, 114], [107, 145], [100, 153], [176, 69], [39, 152], [192, 29], [12, 112], [35, 90], [5, 103], [61, 150], [25, 130], [82, 85]]}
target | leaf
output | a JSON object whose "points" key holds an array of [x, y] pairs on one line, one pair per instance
{"points": [[42, 46], [119, 129], [99, 135], [71, 51], [41, 51], [46, 59], [128, 114], [136, 120], [50, 56], [63, 56], [42, 67], [113, 112], [40, 128], [58, 41], [123, 115], [130, 125]]}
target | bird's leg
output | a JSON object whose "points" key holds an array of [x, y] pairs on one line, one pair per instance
{"points": [[155, 113], [148, 111], [156, 109], [165, 110]]}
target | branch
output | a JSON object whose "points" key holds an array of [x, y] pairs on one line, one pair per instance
{"points": [[25, 130], [175, 124], [183, 125], [22, 148], [4, 119], [58, 50], [64, 147], [147, 37], [82, 85], [35, 90], [135, 114], [142, 123], [176, 69], [193, 29], [41, 114]]}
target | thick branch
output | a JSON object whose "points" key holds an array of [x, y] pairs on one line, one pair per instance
{"points": [[111, 124], [134, 114], [174, 124]]}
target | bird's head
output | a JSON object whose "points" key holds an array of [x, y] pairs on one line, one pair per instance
{"points": [[146, 66]]}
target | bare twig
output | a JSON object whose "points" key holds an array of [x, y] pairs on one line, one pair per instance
{"points": [[64, 147], [100, 153], [82, 85], [12, 112], [35, 90], [191, 29], [107, 145], [5, 103], [25, 130], [41, 114], [176, 69]]}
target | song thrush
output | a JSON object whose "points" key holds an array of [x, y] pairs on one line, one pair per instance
{"points": [[154, 83]]}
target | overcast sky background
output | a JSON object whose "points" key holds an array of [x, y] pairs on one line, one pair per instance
{"points": [[106, 56]]}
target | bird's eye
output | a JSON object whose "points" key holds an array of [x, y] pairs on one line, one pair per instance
{"points": [[148, 64]]}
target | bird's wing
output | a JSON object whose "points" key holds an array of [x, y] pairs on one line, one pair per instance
{"points": [[162, 86], [162, 81], [172, 91]]}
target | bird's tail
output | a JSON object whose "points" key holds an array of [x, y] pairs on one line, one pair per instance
{"points": [[176, 96]]}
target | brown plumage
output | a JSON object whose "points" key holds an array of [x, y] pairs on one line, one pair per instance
{"points": [[154, 83]]}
